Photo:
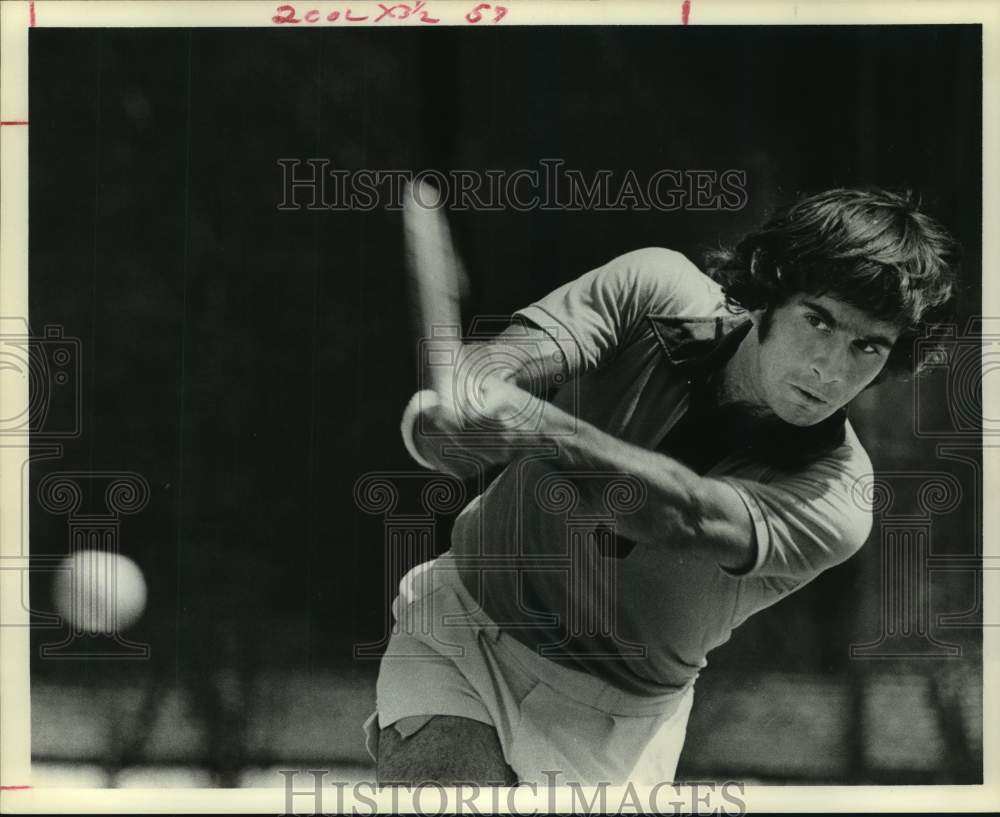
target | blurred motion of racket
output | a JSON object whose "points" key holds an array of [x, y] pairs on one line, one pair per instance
{"points": [[437, 284]]}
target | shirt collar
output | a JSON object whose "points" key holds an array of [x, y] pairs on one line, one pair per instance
{"points": [[692, 344], [695, 346]]}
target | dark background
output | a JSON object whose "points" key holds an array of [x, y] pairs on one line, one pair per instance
{"points": [[252, 363]]}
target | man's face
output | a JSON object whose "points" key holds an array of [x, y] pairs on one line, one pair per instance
{"points": [[815, 355]]}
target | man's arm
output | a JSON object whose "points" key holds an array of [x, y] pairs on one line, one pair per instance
{"points": [[682, 509], [522, 354]]}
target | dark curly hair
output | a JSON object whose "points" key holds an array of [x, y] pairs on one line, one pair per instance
{"points": [[872, 249]]}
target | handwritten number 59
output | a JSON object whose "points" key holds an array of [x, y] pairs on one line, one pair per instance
{"points": [[475, 15]]}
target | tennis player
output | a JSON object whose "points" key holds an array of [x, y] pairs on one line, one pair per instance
{"points": [[694, 466]]}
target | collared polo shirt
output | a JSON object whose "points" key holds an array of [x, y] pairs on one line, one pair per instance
{"points": [[545, 567]]}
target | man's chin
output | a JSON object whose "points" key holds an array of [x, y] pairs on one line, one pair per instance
{"points": [[804, 416]]}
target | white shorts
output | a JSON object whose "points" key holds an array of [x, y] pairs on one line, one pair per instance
{"points": [[446, 657]]}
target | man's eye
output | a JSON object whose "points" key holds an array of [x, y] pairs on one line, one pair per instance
{"points": [[818, 322], [868, 348]]}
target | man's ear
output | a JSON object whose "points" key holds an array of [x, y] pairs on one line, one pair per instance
{"points": [[762, 321]]}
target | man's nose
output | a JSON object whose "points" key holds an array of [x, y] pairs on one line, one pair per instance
{"points": [[829, 365]]}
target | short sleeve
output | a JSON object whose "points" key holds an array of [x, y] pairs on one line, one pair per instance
{"points": [[809, 521], [592, 316]]}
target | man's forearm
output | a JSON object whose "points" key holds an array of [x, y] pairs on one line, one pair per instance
{"points": [[682, 509]]}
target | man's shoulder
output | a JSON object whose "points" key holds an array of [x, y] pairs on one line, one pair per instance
{"points": [[848, 463], [661, 261], [671, 283]]}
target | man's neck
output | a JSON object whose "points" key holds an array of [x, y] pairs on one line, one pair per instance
{"points": [[735, 385]]}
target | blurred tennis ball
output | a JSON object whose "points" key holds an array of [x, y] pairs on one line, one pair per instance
{"points": [[99, 592]]}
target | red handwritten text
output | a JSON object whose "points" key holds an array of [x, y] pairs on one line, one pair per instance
{"points": [[414, 11], [474, 16], [401, 11]]}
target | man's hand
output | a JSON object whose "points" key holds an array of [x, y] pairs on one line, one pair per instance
{"points": [[476, 426]]}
